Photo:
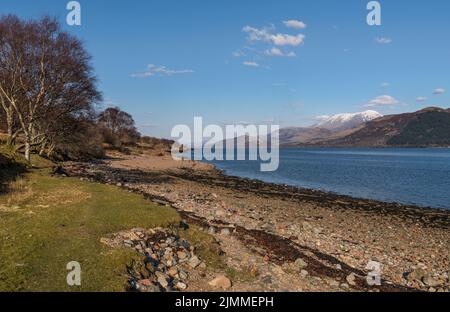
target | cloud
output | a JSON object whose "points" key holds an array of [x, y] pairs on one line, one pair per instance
{"points": [[238, 53], [322, 117], [153, 70], [383, 40], [294, 24], [438, 91], [278, 52], [385, 84], [251, 64], [265, 34], [382, 100], [255, 34], [284, 39], [421, 99]]}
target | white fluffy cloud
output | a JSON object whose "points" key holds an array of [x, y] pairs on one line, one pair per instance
{"points": [[383, 40], [153, 70], [251, 64], [265, 34], [421, 99], [287, 40], [438, 91], [382, 100], [278, 52], [294, 24]]}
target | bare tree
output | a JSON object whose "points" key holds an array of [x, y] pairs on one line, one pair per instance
{"points": [[121, 126], [47, 77]]}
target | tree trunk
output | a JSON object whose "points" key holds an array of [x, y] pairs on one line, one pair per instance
{"points": [[9, 124], [27, 149], [42, 149]]}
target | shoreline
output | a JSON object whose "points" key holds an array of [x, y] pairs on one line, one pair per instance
{"points": [[326, 192], [270, 225], [320, 196]]}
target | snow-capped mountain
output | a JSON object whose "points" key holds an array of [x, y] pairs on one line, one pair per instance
{"points": [[341, 122]]}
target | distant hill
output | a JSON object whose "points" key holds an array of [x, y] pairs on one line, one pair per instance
{"points": [[341, 122], [294, 135], [427, 127], [333, 127]]}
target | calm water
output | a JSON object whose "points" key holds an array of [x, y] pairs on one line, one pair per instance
{"points": [[412, 176]]}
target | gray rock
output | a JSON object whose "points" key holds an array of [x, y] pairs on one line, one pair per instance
{"points": [[351, 279], [304, 273], [300, 263], [225, 231], [333, 283], [416, 275], [183, 275], [163, 279], [194, 262], [181, 286], [430, 281], [267, 279]]}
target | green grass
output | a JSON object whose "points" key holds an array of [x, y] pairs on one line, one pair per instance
{"points": [[47, 222], [52, 221]]}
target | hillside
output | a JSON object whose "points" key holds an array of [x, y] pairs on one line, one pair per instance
{"points": [[302, 135], [427, 127], [341, 122]]}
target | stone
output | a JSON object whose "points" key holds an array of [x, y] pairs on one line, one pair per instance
{"points": [[225, 231], [145, 282], [194, 262], [181, 255], [267, 279], [180, 286], [300, 263], [128, 243], [338, 267], [304, 273], [317, 231], [183, 275], [351, 279], [163, 279], [416, 275], [333, 283], [172, 272], [222, 282], [430, 281]]}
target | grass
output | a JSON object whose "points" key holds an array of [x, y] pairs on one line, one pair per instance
{"points": [[47, 222]]}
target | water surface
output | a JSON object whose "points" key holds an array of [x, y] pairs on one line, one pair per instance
{"points": [[412, 176]]}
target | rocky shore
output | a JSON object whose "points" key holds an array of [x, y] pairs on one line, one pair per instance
{"points": [[283, 238]]}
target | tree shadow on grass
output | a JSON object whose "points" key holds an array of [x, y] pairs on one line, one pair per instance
{"points": [[9, 172]]}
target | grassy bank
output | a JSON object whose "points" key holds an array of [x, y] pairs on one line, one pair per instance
{"points": [[47, 221]]}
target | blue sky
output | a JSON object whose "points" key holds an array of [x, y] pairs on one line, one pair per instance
{"points": [[242, 61]]}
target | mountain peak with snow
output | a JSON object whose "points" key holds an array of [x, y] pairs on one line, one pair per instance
{"points": [[341, 122]]}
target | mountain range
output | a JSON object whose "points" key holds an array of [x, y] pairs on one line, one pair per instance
{"points": [[427, 127]]}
